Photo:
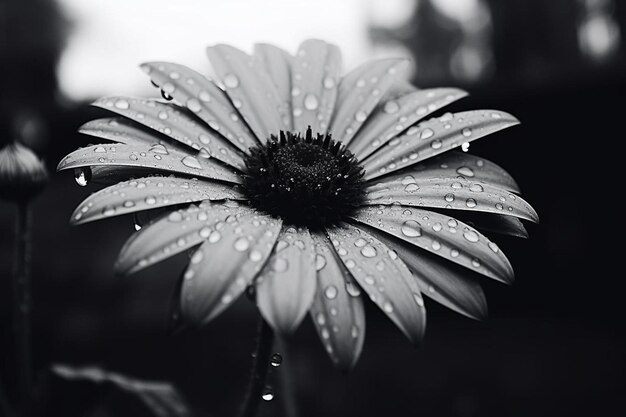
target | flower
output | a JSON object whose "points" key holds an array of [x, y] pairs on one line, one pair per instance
{"points": [[317, 190], [22, 174]]}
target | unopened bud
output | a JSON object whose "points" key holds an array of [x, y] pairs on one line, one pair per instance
{"points": [[22, 174]]}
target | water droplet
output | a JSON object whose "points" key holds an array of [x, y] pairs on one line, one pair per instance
{"points": [[388, 307], [352, 289], [360, 116], [158, 148], [467, 132], [215, 237], [368, 251], [454, 253], [241, 244], [275, 360], [411, 188], [197, 256], [391, 107], [369, 280], [426, 133], [311, 102], [436, 245], [122, 104], [411, 228], [470, 235], [280, 265], [408, 179], [476, 188], [470, 202], [268, 394], [191, 162], [449, 197], [330, 292], [465, 171], [437, 227], [360, 242], [82, 176], [108, 211], [194, 105], [320, 262], [436, 144], [231, 81]]}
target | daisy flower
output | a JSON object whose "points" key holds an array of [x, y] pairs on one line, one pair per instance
{"points": [[319, 191]]}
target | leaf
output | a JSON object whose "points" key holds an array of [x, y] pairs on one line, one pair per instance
{"points": [[450, 165], [162, 398], [286, 286], [222, 267], [383, 276], [204, 99], [359, 93], [145, 157], [315, 76], [433, 137], [149, 193], [173, 233], [395, 115], [451, 193], [442, 281], [337, 310], [441, 235], [251, 90], [169, 120]]}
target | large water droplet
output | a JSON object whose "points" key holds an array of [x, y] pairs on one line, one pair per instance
{"points": [[368, 251], [476, 188], [215, 236], [426, 133], [391, 107], [191, 162], [158, 148], [352, 289], [411, 188], [241, 244], [231, 81], [82, 176], [276, 360], [268, 394], [411, 228], [467, 132], [465, 171], [470, 202], [122, 104], [330, 292], [360, 116], [194, 105], [470, 235], [311, 102], [320, 262]]}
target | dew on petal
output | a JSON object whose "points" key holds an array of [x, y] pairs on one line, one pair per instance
{"points": [[411, 228], [241, 244], [470, 236], [231, 81], [368, 251], [191, 162], [122, 104], [470, 202], [311, 102], [426, 133], [330, 292], [465, 171]]}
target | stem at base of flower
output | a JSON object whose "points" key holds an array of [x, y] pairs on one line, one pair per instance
{"points": [[22, 301], [260, 365]]}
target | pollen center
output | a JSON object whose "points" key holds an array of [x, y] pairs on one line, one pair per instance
{"points": [[310, 180]]}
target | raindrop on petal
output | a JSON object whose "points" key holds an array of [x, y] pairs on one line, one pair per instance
{"points": [[411, 228], [231, 81], [276, 360], [311, 102]]}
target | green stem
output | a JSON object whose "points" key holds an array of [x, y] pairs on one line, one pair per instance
{"points": [[22, 302], [260, 365]]}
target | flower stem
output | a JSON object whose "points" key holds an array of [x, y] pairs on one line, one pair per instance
{"points": [[260, 365], [285, 375], [22, 301]]}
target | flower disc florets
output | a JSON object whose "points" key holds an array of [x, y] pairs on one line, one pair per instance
{"points": [[305, 180]]}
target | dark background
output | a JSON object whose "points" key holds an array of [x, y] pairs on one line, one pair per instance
{"points": [[553, 343]]}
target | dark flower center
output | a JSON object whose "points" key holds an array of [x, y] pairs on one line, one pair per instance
{"points": [[305, 180]]}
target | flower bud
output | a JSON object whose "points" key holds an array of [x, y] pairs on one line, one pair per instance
{"points": [[22, 174]]}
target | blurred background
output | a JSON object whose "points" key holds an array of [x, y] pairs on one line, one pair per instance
{"points": [[553, 344]]}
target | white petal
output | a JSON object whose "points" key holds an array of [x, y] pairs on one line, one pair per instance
{"points": [[383, 276], [251, 90], [221, 269], [315, 77], [395, 115], [286, 285], [337, 310], [359, 93], [451, 193], [205, 99], [173, 233], [441, 235], [277, 63], [169, 120], [147, 194], [435, 136]]}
